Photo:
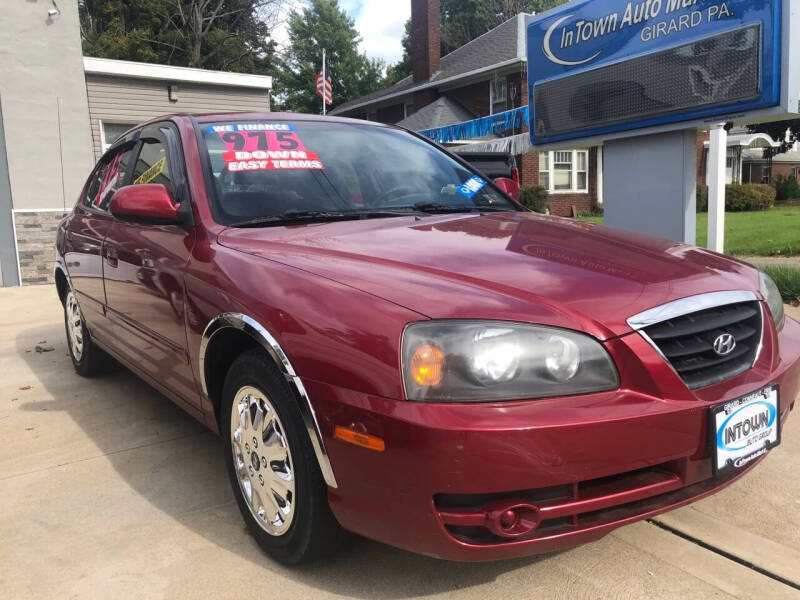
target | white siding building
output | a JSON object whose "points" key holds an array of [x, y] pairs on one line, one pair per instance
{"points": [[60, 110]]}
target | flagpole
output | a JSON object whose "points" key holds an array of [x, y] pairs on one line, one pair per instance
{"points": [[323, 83]]}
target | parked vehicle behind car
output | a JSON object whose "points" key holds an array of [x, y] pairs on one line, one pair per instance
{"points": [[495, 166], [389, 345], [492, 164]]}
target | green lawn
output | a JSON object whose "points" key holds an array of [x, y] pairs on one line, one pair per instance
{"points": [[768, 233]]}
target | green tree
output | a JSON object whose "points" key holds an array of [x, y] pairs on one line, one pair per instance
{"points": [[323, 24], [463, 21], [226, 35], [402, 69]]}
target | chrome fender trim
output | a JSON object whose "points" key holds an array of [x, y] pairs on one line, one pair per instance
{"points": [[256, 331], [57, 266]]}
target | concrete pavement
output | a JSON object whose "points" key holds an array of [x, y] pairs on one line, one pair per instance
{"points": [[109, 491]]}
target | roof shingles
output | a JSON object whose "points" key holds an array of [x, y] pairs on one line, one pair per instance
{"points": [[444, 111]]}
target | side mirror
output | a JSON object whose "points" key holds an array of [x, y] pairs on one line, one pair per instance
{"points": [[509, 186], [146, 203]]}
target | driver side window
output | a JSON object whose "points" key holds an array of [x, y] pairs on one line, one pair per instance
{"points": [[153, 165]]}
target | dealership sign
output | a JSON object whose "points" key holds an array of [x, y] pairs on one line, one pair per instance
{"points": [[597, 67]]}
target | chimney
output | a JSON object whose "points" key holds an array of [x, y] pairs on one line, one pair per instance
{"points": [[425, 39]]}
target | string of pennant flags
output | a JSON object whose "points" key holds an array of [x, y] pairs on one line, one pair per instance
{"points": [[493, 124]]}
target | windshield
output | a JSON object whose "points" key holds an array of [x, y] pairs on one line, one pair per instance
{"points": [[274, 171]]}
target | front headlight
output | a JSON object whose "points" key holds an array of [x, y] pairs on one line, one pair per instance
{"points": [[772, 295], [480, 361]]}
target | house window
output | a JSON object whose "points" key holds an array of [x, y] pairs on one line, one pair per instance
{"points": [[729, 169], [109, 132], [767, 175], [564, 171], [498, 92], [544, 170], [796, 172]]}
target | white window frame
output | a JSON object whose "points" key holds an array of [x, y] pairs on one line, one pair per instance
{"points": [[106, 144], [492, 88], [550, 170]]}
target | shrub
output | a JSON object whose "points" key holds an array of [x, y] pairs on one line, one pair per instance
{"points": [[767, 192], [743, 197], [534, 197], [740, 197], [702, 198], [787, 279], [787, 188]]}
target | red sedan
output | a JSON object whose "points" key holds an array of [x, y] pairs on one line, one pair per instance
{"points": [[389, 345]]}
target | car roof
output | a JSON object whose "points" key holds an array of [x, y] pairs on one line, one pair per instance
{"points": [[270, 116]]}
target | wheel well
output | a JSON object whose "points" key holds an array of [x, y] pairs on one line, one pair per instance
{"points": [[62, 285], [224, 348]]}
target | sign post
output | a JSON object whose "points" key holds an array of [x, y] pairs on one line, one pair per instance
{"points": [[650, 184], [620, 73], [717, 157]]}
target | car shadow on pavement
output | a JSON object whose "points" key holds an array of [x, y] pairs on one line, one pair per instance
{"points": [[136, 429]]}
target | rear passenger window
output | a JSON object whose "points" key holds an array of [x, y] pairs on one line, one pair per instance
{"points": [[109, 176], [153, 164]]}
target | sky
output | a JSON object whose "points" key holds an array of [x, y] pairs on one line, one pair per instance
{"points": [[380, 23]]}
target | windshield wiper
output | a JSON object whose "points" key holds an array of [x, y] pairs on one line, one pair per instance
{"points": [[300, 216], [436, 207], [294, 216]]}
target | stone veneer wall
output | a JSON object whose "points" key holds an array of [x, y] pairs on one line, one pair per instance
{"points": [[36, 244]]}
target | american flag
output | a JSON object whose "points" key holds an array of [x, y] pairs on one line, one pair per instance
{"points": [[324, 85]]}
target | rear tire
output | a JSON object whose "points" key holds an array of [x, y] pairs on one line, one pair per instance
{"points": [[87, 358], [271, 464]]}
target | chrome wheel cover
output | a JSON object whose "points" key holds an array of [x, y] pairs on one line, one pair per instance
{"points": [[72, 314], [262, 460]]}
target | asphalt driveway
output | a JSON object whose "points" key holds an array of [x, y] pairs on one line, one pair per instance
{"points": [[107, 490]]}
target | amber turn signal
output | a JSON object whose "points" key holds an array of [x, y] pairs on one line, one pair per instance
{"points": [[359, 439], [427, 365]]}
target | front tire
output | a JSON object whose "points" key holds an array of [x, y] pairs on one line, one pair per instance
{"points": [[87, 358], [271, 464]]}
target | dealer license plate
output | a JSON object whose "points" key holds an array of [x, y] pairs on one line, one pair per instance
{"points": [[745, 429]]}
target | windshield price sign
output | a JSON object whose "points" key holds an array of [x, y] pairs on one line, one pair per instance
{"points": [[264, 147]]}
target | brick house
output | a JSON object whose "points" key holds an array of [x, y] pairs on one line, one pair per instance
{"points": [[484, 77], [745, 162], [757, 169]]}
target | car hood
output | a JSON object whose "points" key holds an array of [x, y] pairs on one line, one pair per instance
{"points": [[509, 266]]}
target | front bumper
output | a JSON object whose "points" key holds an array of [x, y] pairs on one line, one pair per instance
{"points": [[588, 463]]}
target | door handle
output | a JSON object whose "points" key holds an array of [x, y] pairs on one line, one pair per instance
{"points": [[111, 257]]}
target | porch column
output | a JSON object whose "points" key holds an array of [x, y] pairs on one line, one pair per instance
{"points": [[600, 175]]}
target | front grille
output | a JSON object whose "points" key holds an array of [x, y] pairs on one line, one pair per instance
{"points": [[687, 342]]}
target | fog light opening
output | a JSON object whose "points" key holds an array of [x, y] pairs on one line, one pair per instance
{"points": [[512, 521]]}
